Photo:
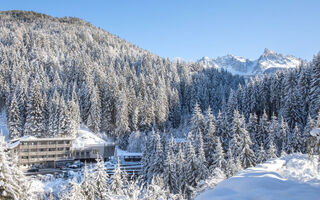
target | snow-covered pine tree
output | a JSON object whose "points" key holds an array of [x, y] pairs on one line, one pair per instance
{"points": [[315, 89], [169, 173], [209, 136], [13, 183], [14, 118], [263, 129], [217, 157], [94, 112], [253, 128], [118, 181], [261, 155], [272, 151], [283, 137], [231, 167], [88, 186], [180, 172], [247, 156], [306, 134], [296, 139], [157, 159], [238, 132], [273, 131], [101, 179], [197, 120], [74, 192], [34, 122]]}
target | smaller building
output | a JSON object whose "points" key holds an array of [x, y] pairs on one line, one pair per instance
{"points": [[87, 146]]}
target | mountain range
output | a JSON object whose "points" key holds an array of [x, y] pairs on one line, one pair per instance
{"points": [[268, 62]]}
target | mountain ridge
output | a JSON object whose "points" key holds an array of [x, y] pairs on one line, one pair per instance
{"points": [[269, 62]]}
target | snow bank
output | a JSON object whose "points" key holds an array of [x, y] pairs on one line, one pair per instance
{"points": [[293, 177], [87, 138]]}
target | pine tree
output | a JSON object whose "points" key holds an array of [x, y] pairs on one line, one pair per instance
{"points": [[263, 129], [231, 167], [118, 181], [169, 172], [14, 118], [272, 151], [209, 137], [296, 139], [158, 158], [197, 120], [101, 178], [218, 160], [247, 156], [88, 186], [315, 90], [253, 129], [240, 135], [262, 156], [34, 122], [13, 183]]}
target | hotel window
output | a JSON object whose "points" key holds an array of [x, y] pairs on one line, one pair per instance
{"points": [[52, 149]]}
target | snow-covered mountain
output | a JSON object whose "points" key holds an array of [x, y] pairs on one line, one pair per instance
{"points": [[268, 62], [291, 177]]}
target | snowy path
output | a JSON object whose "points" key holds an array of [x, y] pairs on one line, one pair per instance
{"points": [[293, 177]]}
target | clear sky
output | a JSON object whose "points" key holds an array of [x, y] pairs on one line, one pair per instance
{"points": [[192, 29]]}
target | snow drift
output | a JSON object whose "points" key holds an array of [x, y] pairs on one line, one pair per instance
{"points": [[293, 177]]}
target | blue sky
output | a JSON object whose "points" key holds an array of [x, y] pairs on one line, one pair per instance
{"points": [[192, 29]]}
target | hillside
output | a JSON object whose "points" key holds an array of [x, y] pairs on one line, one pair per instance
{"points": [[51, 67], [268, 62], [293, 177]]}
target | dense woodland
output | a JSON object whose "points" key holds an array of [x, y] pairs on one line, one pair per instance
{"points": [[57, 73]]}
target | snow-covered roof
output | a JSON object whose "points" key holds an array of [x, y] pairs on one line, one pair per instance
{"points": [[122, 153], [87, 138], [31, 138], [14, 144]]}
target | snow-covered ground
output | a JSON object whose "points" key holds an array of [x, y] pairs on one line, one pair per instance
{"points": [[3, 124], [293, 177]]}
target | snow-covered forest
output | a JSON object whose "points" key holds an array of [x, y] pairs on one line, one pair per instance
{"points": [[56, 73]]}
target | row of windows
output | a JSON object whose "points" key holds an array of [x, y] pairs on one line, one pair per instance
{"points": [[46, 156], [46, 143], [45, 149]]}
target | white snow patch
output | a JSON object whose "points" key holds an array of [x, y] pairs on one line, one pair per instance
{"points": [[293, 177], [86, 137]]}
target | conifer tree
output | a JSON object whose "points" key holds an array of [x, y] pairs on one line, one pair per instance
{"points": [[262, 156], [101, 178], [231, 167], [88, 186], [218, 160], [14, 118], [34, 122], [272, 151]]}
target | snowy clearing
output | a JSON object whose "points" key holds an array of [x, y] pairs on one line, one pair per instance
{"points": [[293, 177]]}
